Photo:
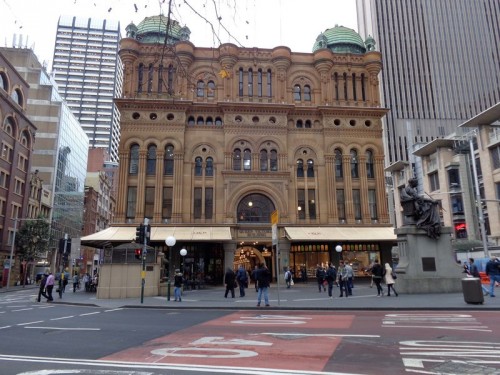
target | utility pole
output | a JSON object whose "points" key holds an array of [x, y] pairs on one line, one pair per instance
{"points": [[147, 233]]}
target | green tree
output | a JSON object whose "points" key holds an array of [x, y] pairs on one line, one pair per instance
{"points": [[32, 240]]}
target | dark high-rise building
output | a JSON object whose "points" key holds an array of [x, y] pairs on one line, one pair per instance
{"points": [[441, 62]]}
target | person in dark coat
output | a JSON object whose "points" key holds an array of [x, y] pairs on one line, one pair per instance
{"points": [[493, 271], [331, 276], [263, 281], [229, 279], [41, 291], [378, 273]]}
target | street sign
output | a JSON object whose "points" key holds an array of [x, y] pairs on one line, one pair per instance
{"points": [[275, 234]]}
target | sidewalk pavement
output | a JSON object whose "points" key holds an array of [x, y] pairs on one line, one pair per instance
{"points": [[298, 297]]}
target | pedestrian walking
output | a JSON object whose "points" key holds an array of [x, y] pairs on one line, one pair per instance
{"points": [[378, 273], [350, 278], [320, 277], [76, 282], [331, 277], [288, 278], [49, 286], [242, 278], [41, 290], [178, 282], [230, 280], [493, 271], [389, 280], [264, 281], [254, 278], [343, 280]]}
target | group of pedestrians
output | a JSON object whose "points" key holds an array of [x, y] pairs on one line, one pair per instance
{"points": [[262, 280], [385, 274]]}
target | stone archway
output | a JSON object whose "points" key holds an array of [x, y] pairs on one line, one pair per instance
{"points": [[248, 256]]}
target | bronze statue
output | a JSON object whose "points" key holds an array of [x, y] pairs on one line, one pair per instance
{"points": [[420, 211]]}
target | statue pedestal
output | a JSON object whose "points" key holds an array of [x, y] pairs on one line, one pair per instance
{"points": [[426, 265]]}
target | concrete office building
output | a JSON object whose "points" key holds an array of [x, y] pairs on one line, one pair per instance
{"points": [[88, 73], [441, 62]]}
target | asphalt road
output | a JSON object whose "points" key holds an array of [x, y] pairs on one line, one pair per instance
{"points": [[61, 339]]}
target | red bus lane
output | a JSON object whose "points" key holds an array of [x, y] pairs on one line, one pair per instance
{"points": [[295, 341], [348, 342]]}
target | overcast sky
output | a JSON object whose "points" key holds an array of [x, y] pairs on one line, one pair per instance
{"points": [[251, 23]]}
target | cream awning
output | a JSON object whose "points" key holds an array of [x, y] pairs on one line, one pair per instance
{"points": [[192, 233], [114, 235], [340, 233]]}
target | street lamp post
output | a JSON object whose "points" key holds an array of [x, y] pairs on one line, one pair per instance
{"points": [[183, 253], [338, 249], [170, 241]]}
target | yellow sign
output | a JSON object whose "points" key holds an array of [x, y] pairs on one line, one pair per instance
{"points": [[275, 217]]}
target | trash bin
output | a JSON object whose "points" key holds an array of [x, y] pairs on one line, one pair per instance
{"points": [[472, 290]]}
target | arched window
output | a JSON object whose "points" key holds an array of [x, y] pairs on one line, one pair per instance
{"points": [[170, 84], [200, 121], [274, 160], [336, 84], [250, 82], [150, 78], [308, 124], [259, 83], [247, 160], [191, 121], [269, 84], [200, 89], [339, 173], [354, 164], [134, 159], [198, 169], [169, 160], [10, 126], [4, 82], [345, 87], [209, 169], [160, 78], [140, 77], [310, 168], [237, 159], [354, 94], [210, 121], [370, 171], [299, 124], [300, 168], [240, 82], [296, 93], [263, 160], [211, 89], [307, 93], [218, 121], [255, 208], [363, 93], [151, 160], [17, 96]]}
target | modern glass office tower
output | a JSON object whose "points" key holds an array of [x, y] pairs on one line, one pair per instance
{"points": [[441, 62], [89, 75]]}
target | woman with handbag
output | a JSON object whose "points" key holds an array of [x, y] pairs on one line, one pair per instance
{"points": [[389, 277]]}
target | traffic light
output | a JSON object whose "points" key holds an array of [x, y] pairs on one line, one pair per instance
{"points": [[138, 254], [147, 233], [139, 234]]}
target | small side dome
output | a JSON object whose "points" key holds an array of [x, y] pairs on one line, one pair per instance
{"points": [[340, 39], [154, 29]]}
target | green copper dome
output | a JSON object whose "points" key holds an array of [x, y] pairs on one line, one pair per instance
{"points": [[153, 30], [340, 39]]}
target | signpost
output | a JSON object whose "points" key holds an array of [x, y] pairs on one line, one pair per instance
{"points": [[274, 229]]}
